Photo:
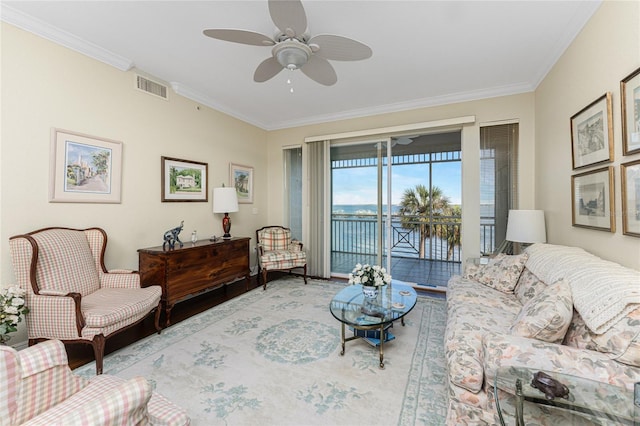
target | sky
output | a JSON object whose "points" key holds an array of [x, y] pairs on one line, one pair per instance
{"points": [[358, 185]]}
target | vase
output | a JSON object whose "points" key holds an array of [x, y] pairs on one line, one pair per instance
{"points": [[370, 292]]}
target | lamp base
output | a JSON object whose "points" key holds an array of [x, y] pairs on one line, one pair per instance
{"points": [[226, 226]]}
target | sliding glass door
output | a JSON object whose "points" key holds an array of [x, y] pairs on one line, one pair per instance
{"points": [[360, 207], [397, 203]]}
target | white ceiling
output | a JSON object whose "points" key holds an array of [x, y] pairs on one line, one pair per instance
{"points": [[424, 52]]}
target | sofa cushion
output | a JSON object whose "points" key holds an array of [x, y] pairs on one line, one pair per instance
{"points": [[529, 286], [547, 316], [472, 311], [502, 272], [621, 342]]}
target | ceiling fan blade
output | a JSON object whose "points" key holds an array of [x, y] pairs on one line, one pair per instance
{"points": [[289, 16], [320, 70], [240, 36], [339, 48], [267, 69]]}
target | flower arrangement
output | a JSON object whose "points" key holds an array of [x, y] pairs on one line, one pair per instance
{"points": [[11, 309], [367, 275]]}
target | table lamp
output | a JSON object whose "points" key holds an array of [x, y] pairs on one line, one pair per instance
{"points": [[225, 201], [526, 227]]}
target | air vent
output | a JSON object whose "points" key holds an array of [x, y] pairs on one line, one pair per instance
{"points": [[151, 87]]}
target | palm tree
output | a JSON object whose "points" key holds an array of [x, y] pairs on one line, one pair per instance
{"points": [[417, 208], [451, 232]]}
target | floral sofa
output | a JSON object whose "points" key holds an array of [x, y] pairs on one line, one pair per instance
{"points": [[553, 308], [37, 387]]}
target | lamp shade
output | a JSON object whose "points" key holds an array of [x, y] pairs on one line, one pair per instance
{"points": [[225, 200], [526, 226]]}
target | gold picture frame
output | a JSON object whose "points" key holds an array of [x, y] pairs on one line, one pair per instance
{"points": [[592, 133], [630, 102], [630, 178], [593, 201]]}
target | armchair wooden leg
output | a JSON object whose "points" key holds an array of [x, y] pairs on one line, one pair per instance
{"points": [[305, 274], [264, 279], [98, 344], [157, 318]]}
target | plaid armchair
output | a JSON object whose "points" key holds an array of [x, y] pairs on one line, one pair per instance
{"points": [[70, 294], [37, 387], [277, 252]]}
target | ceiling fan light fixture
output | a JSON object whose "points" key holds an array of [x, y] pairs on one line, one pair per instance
{"points": [[291, 54]]}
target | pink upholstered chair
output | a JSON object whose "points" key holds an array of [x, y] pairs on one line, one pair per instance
{"points": [[37, 387], [70, 294], [277, 252]]}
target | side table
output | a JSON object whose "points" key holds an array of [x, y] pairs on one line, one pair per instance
{"points": [[587, 399]]}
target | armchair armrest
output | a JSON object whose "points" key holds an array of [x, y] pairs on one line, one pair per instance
{"points": [[295, 245], [505, 350], [45, 379], [53, 314], [120, 278]]}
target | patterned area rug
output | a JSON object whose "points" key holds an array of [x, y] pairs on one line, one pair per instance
{"points": [[273, 358]]}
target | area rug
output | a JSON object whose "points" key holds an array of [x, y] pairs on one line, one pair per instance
{"points": [[273, 358]]}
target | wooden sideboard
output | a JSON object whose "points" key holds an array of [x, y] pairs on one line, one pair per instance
{"points": [[193, 268]]}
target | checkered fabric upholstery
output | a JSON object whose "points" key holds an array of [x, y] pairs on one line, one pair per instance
{"points": [[69, 261], [278, 251], [37, 387]]}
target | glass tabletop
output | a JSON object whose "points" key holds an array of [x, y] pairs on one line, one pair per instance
{"points": [[587, 397], [393, 302]]}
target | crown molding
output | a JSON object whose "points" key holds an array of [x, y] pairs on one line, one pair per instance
{"points": [[198, 97], [409, 105], [56, 35]]}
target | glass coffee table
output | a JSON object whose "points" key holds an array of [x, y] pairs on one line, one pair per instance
{"points": [[596, 402], [371, 320]]}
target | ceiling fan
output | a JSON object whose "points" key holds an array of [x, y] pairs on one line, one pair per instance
{"points": [[294, 49]]}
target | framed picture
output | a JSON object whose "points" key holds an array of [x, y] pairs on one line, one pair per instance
{"points": [[630, 177], [592, 197], [630, 98], [84, 169], [183, 180], [241, 178], [592, 133]]}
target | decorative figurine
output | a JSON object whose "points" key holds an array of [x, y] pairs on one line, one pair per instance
{"points": [[171, 237], [549, 386]]}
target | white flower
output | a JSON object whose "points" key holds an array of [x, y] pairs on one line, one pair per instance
{"points": [[369, 275], [12, 307], [17, 301]]}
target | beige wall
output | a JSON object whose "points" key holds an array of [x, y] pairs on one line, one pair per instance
{"points": [[606, 51], [519, 108], [45, 85]]}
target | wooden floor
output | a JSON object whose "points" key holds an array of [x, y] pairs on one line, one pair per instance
{"points": [[81, 354]]}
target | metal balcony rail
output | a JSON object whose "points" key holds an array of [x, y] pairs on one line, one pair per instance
{"points": [[357, 233]]}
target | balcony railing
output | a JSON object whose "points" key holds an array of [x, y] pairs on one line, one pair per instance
{"points": [[358, 233]]}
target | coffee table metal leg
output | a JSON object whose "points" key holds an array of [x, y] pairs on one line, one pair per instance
{"points": [[342, 339], [382, 337]]}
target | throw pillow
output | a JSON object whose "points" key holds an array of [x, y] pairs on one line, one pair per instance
{"points": [[547, 316], [501, 273], [529, 286]]}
